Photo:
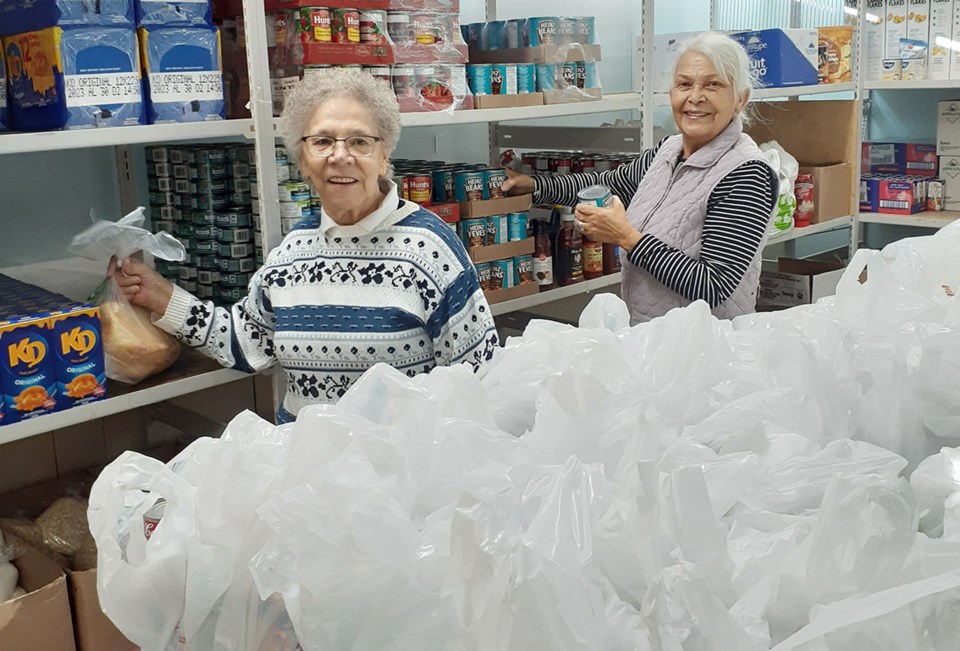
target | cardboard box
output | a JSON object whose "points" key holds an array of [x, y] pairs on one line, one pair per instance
{"points": [[832, 197], [781, 58], [492, 207], [541, 54], [39, 620], [895, 23], [507, 101], [950, 173], [501, 251], [347, 54], [873, 39], [790, 282], [941, 32], [948, 128], [902, 195], [916, 159], [520, 291], [429, 54], [94, 630], [569, 97], [448, 212]]}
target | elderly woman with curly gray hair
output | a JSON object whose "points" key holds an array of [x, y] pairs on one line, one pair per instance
{"points": [[373, 279]]}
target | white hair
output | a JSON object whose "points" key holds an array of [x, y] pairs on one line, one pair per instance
{"points": [[306, 97], [730, 60]]}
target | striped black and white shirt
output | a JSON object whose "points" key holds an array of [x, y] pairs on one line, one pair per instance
{"points": [[738, 212]]}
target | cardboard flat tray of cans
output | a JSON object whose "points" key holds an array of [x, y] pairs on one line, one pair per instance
{"points": [[540, 54]]}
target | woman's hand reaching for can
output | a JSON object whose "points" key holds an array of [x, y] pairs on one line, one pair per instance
{"points": [[607, 225], [141, 284], [517, 183]]}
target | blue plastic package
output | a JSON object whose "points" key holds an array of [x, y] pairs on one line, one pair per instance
{"points": [[183, 74], [162, 13], [101, 68], [35, 76], [19, 16]]}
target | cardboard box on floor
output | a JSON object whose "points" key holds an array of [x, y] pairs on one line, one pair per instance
{"points": [[790, 282], [817, 134], [39, 620], [831, 190]]}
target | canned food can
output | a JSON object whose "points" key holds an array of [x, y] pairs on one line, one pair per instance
{"points": [[208, 276], [483, 274], [239, 199], [549, 76], [470, 186], [293, 191], [152, 517], [511, 160], [373, 26], [231, 294], [188, 272], [517, 226], [473, 35], [295, 209], [541, 30], [281, 154], [201, 218], [493, 36], [235, 279], [404, 81], [400, 28], [426, 28], [526, 78], [502, 274], [596, 195], [244, 250], [513, 33], [523, 264], [503, 79], [570, 74], [602, 165], [236, 235], [296, 175], [586, 30], [497, 230], [473, 232], [315, 25], [199, 231], [561, 165], [442, 186], [421, 188], [207, 261], [494, 178], [205, 290], [345, 25], [588, 69], [479, 78], [567, 31], [283, 172], [380, 72], [239, 265]]}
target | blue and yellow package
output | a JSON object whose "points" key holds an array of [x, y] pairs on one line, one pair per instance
{"points": [[20, 16], [75, 78], [163, 13], [101, 68], [4, 115], [81, 375], [27, 369], [183, 74]]}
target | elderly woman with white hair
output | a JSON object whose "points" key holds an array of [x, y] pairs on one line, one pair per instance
{"points": [[698, 204], [373, 278]]}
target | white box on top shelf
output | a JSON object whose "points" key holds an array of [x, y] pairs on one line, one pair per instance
{"points": [[895, 22], [941, 33], [955, 52], [873, 37], [950, 173], [948, 128]]}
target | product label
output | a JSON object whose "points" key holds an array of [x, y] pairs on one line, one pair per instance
{"points": [[186, 86], [593, 258], [104, 88], [543, 269]]}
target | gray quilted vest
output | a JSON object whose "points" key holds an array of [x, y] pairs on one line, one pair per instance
{"points": [[670, 204]]}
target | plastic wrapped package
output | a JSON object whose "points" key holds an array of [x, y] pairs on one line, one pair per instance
{"points": [[19, 16], [164, 13], [184, 74], [787, 169], [102, 82]]}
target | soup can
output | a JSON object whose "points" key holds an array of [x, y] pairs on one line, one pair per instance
{"points": [[596, 195], [345, 25], [421, 188], [483, 274], [549, 76], [494, 178], [473, 232], [315, 25], [470, 186], [541, 30], [404, 81], [526, 78], [502, 274], [516, 226], [443, 191], [586, 30], [497, 230], [373, 26], [570, 74], [426, 28], [503, 78], [479, 78], [493, 36], [513, 33], [567, 31], [399, 27], [523, 266], [293, 191]]}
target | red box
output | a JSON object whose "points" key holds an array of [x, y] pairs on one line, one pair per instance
{"points": [[280, 5], [448, 212], [439, 6], [898, 158], [921, 160], [346, 54], [417, 53], [902, 195]]}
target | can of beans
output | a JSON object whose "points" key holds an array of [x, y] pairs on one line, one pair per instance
{"points": [[503, 79], [494, 178], [596, 195], [373, 26], [443, 186], [513, 33], [479, 78], [570, 74], [483, 274], [541, 30], [470, 186], [567, 31], [404, 81], [549, 76], [588, 70], [517, 226], [526, 78], [426, 29], [400, 28], [586, 30], [345, 25], [421, 188], [502, 274], [492, 36], [523, 264], [315, 25], [473, 232], [497, 230]]}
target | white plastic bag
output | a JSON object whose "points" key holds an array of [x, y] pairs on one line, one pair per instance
{"points": [[787, 168], [123, 238]]}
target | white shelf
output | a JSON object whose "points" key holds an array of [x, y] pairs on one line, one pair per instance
{"points": [[615, 102], [17, 143], [663, 99], [918, 220], [813, 229], [188, 380], [912, 84], [585, 287]]}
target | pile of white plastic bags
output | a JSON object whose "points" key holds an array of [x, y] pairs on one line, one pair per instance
{"points": [[687, 484]]}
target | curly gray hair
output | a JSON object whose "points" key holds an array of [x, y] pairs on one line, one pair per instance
{"points": [[306, 97]]}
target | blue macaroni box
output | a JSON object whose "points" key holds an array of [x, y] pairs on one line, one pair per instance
{"points": [[76, 78], [28, 381], [781, 58], [81, 375], [163, 13], [183, 74], [19, 16]]}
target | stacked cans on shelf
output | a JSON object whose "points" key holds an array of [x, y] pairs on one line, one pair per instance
{"points": [[553, 163], [202, 195], [531, 32], [298, 200], [521, 78]]}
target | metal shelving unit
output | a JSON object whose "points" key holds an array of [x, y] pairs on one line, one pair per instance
{"points": [[813, 229], [560, 293], [918, 220], [610, 103]]}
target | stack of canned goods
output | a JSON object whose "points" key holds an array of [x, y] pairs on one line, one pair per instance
{"points": [[531, 32], [556, 163], [298, 200], [520, 78], [202, 195], [434, 182]]}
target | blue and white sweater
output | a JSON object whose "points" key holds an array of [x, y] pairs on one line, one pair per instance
{"points": [[332, 301]]}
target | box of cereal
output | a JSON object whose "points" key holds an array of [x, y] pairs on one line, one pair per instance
{"points": [[895, 23], [941, 33]]}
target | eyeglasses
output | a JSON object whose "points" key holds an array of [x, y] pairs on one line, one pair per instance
{"points": [[324, 146]]}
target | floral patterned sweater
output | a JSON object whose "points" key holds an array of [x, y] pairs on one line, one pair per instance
{"points": [[331, 301]]}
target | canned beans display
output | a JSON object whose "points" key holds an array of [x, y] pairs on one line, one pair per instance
{"points": [[345, 25]]}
